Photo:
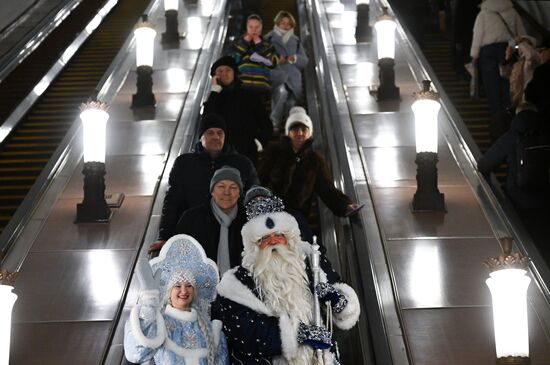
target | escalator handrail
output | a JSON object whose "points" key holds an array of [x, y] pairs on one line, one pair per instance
{"points": [[27, 45], [379, 301], [62, 154]]}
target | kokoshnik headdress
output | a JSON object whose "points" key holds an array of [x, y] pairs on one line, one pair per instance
{"points": [[182, 259]]}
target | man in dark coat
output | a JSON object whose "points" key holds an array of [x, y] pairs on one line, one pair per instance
{"points": [[191, 174], [296, 173], [243, 110], [266, 304], [206, 222]]}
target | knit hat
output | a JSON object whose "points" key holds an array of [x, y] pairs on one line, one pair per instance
{"points": [[211, 121], [225, 61], [298, 115], [227, 173]]}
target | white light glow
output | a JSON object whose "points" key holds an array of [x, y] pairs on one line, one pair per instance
{"points": [[103, 273], [171, 5], [386, 165], [41, 86], [173, 105], [349, 19], [145, 43], [385, 38], [365, 74], [425, 276], [509, 293], [94, 23], [7, 299], [207, 7], [425, 124], [94, 122], [194, 24], [347, 36], [361, 2], [195, 36], [334, 7], [68, 54], [177, 80]]}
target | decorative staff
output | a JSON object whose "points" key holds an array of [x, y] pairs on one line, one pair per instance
{"points": [[316, 270]]}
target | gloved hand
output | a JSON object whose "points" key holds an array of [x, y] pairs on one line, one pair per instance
{"points": [[145, 275], [149, 285], [314, 336], [328, 293]]}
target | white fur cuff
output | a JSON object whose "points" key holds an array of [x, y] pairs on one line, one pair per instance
{"points": [[217, 88], [347, 318], [140, 337], [289, 335]]}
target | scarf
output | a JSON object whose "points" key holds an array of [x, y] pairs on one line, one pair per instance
{"points": [[284, 34], [223, 243]]}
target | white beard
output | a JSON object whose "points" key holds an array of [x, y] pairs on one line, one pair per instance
{"points": [[280, 276]]}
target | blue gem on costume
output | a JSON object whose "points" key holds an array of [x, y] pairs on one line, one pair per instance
{"points": [[269, 223]]}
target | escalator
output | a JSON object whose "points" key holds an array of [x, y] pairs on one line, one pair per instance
{"points": [[26, 151]]}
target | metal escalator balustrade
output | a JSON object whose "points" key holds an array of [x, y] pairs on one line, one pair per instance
{"points": [[28, 148]]}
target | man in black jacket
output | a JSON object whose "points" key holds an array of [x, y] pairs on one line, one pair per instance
{"points": [[191, 174], [217, 223], [243, 110]]}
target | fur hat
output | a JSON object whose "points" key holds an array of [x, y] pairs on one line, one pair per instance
{"points": [[211, 121], [225, 61], [298, 115], [226, 173]]}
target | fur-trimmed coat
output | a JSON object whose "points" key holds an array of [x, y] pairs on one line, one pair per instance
{"points": [[298, 177], [255, 335], [171, 338]]}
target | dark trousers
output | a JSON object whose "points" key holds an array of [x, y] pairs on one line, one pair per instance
{"points": [[497, 89]]}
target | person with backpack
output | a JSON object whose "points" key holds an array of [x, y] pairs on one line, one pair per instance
{"points": [[526, 150]]}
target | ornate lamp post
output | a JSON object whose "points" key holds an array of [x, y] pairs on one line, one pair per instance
{"points": [[145, 43], [508, 284], [385, 41], [7, 299], [171, 38], [363, 31], [94, 208], [425, 109]]}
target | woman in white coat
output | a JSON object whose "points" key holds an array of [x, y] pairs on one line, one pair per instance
{"points": [[286, 78], [170, 324]]}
